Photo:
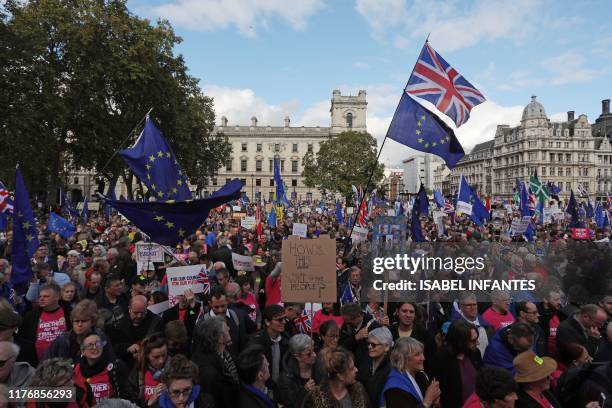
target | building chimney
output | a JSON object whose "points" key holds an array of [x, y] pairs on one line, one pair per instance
{"points": [[605, 107], [287, 121], [223, 121], [570, 116], [253, 121]]}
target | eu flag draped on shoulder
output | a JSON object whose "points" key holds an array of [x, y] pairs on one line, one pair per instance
{"points": [[60, 226], [25, 235], [152, 160], [169, 222]]}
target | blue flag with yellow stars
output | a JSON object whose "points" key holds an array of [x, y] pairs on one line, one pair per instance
{"points": [[415, 126], [60, 226], [153, 162], [25, 235], [170, 222]]}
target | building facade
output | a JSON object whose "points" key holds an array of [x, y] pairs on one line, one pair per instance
{"points": [[393, 184], [476, 167], [255, 148], [418, 169]]}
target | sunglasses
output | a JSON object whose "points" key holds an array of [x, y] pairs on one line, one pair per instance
{"points": [[373, 345]]}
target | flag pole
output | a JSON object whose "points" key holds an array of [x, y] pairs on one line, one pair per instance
{"points": [[123, 142], [382, 145]]}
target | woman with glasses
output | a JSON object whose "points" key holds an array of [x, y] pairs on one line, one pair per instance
{"points": [[145, 380], [457, 363], [84, 319], [219, 377], [299, 375], [329, 333], [407, 385], [180, 389], [105, 374], [340, 387], [374, 376]]}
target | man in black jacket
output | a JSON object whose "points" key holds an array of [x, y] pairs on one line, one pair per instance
{"points": [[254, 371], [272, 338], [583, 328], [354, 333], [224, 254], [186, 310]]}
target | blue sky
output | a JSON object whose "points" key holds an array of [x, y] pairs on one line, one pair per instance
{"points": [[272, 58]]}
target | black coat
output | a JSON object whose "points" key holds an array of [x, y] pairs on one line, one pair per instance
{"points": [[359, 348], [290, 391], [421, 334], [570, 331], [191, 315], [262, 339], [397, 398], [248, 399], [221, 387], [444, 366], [224, 254], [525, 400], [375, 381], [123, 334]]}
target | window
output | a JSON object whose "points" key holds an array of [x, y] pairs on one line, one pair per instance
{"points": [[227, 180], [257, 165], [568, 157], [568, 172], [259, 149], [244, 147], [294, 183], [243, 181], [294, 166], [543, 171], [310, 150], [214, 181], [294, 148], [228, 165], [271, 166], [243, 165], [349, 120], [277, 147], [271, 196], [258, 182], [282, 166], [272, 182], [308, 197], [560, 172]]}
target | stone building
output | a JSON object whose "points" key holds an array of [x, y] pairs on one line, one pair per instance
{"points": [[476, 167], [418, 169], [255, 147], [602, 132]]}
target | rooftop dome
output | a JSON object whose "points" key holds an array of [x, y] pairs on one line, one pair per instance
{"points": [[534, 110]]}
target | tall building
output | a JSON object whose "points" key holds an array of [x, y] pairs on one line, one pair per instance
{"points": [[393, 184], [419, 169], [476, 168], [602, 132], [256, 147]]}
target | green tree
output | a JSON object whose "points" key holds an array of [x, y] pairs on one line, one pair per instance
{"points": [[75, 78], [344, 160]]}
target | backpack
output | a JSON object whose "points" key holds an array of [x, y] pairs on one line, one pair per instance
{"points": [[570, 382]]}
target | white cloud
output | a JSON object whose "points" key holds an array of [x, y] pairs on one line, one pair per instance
{"points": [[452, 24], [361, 65], [568, 68], [247, 16]]}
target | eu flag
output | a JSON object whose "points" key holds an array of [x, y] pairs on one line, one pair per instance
{"points": [[415, 222], [272, 218], [153, 162], [339, 215], [415, 126], [60, 226], [439, 199], [280, 187], [169, 222], [25, 234], [572, 210], [423, 201], [479, 211]]}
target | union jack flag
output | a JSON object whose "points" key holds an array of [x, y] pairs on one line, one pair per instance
{"points": [[6, 204], [303, 324], [435, 80], [448, 206], [203, 279]]}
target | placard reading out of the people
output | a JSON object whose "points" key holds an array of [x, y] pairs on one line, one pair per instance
{"points": [[309, 270]]}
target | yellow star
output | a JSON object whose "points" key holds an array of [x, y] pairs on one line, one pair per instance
{"points": [[426, 144], [419, 123], [153, 186], [181, 232], [420, 140], [160, 194], [168, 154], [151, 158], [174, 190], [434, 144], [159, 218], [423, 117], [160, 154], [26, 225], [29, 237], [442, 141], [170, 224], [148, 166], [418, 131], [148, 176], [179, 182]]}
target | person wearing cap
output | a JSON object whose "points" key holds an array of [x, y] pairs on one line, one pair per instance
{"points": [[374, 376], [43, 274], [533, 377]]}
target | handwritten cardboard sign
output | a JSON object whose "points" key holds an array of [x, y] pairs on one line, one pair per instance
{"points": [[300, 230], [182, 278], [247, 222], [242, 262], [309, 270], [149, 252]]}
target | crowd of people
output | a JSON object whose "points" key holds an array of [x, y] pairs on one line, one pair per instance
{"points": [[84, 322]]}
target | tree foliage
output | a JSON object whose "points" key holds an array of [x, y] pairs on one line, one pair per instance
{"points": [[342, 161], [77, 76]]}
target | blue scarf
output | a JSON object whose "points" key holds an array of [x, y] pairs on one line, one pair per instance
{"points": [[261, 395], [166, 402], [401, 381]]}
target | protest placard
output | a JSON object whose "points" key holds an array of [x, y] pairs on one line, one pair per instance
{"points": [[501, 214], [581, 233], [464, 208], [349, 210], [182, 278], [360, 234], [300, 230], [309, 270], [247, 222], [391, 212], [519, 225], [148, 251], [242, 262], [238, 215], [159, 308], [438, 217], [142, 266], [236, 208]]}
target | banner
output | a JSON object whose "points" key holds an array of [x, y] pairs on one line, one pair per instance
{"points": [[309, 270], [300, 230], [236, 208], [242, 263], [349, 210], [247, 222], [464, 208], [359, 234], [519, 225], [501, 214], [182, 278], [581, 233], [150, 252]]}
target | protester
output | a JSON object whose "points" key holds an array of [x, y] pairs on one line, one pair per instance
{"points": [[13, 373], [498, 315], [254, 371], [145, 381], [495, 388], [180, 386], [299, 375], [507, 343], [374, 376], [583, 328], [57, 372], [533, 376], [272, 338]]}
